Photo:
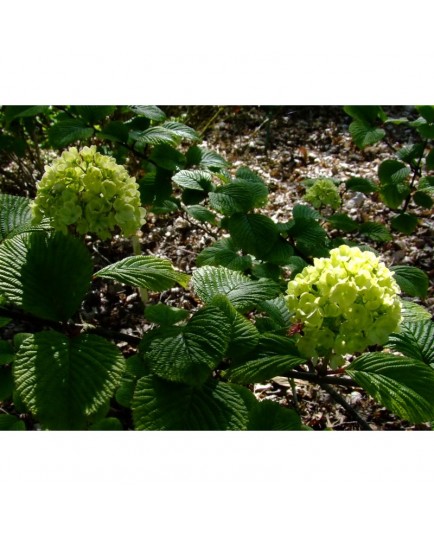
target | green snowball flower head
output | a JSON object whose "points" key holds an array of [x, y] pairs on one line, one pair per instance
{"points": [[323, 192], [89, 191], [345, 303]]}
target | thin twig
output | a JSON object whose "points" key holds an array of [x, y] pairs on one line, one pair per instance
{"points": [[341, 400]]}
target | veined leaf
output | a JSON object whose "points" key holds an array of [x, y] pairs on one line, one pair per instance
{"points": [[343, 222], [375, 231], [224, 253], [14, 212], [413, 312], [415, 340], [62, 380], [94, 114], [405, 386], [305, 211], [155, 135], [405, 223], [167, 157], [194, 179], [243, 334], [46, 275], [189, 353], [412, 280], [211, 160], [430, 160], [68, 131], [144, 271], [253, 233], [162, 405], [392, 172], [151, 112], [109, 424], [181, 130], [277, 310], [265, 368], [365, 134], [201, 213], [363, 113], [239, 196], [242, 292], [427, 112]]}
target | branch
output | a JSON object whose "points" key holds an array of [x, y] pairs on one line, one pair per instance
{"points": [[321, 380], [341, 400]]}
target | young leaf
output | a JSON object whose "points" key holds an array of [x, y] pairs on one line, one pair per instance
{"points": [[365, 134], [68, 131], [265, 368], [415, 340], [144, 271], [14, 212], [162, 405], [412, 280], [62, 380], [189, 354], [405, 386], [270, 416], [46, 275], [242, 292]]}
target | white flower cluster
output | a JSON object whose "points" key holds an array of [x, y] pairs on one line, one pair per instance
{"points": [[89, 191], [345, 303]]}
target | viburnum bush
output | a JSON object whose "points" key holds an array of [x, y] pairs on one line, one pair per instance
{"points": [[273, 299]]}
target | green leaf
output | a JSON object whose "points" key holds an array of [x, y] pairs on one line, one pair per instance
{"points": [[271, 416], [4, 321], [412, 280], [154, 136], [161, 405], [167, 157], [46, 275], [224, 253], [359, 184], [253, 233], [405, 386], [239, 196], [405, 223], [242, 292], [277, 310], [68, 131], [14, 112], [11, 423], [144, 271], [190, 353], [14, 213], [94, 114], [415, 340], [181, 130], [365, 134], [281, 253], [63, 381], [6, 383], [151, 112], [200, 213], [207, 159], [6, 353], [164, 315], [394, 194], [363, 113], [115, 131], [412, 152], [426, 131], [430, 160], [194, 179], [423, 199], [343, 222], [305, 211], [427, 112], [392, 172], [109, 424], [265, 368], [243, 334], [296, 265], [310, 237], [413, 312], [375, 231]]}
